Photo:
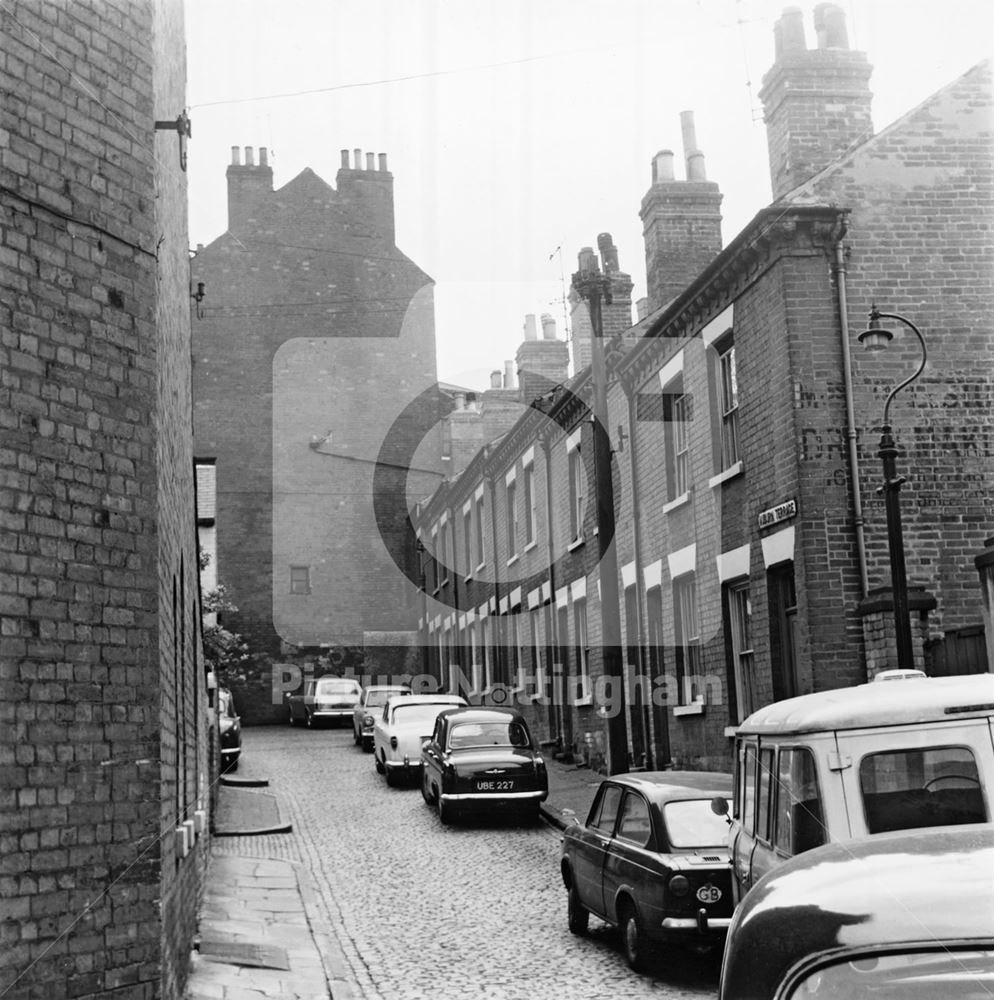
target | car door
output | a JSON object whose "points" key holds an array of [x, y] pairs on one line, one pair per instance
{"points": [[431, 754], [628, 861], [592, 844]]}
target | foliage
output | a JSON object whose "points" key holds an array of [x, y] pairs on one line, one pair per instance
{"points": [[224, 651]]}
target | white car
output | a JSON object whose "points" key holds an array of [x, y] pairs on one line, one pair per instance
{"points": [[404, 724], [370, 708]]}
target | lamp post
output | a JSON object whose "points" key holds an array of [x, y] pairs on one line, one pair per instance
{"points": [[875, 338], [594, 287]]}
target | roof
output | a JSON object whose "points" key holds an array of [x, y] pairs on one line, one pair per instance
{"points": [[925, 886], [432, 699], [474, 714], [894, 703], [676, 784]]}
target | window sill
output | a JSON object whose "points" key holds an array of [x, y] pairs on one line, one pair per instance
{"points": [[468, 576], [585, 701], [575, 544], [530, 546], [730, 473], [676, 502], [696, 708], [480, 568], [512, 560]]}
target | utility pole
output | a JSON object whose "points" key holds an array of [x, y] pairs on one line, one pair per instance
{"points": [[595, 288]]}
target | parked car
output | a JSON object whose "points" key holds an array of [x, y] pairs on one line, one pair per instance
{"points": [[325, 699], [406, 722], [229, 727], [895, 916], [908, 753], [484, 760], [370, 707], [652, 860]]}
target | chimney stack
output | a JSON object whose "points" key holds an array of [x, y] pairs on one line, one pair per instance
{"points": [[367, 193], [249, 187], [681, 220], [816, 102], [542, 363]]}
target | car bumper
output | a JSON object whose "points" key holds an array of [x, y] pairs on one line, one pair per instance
{"points": [[509, 798], [702, 924], [332, 713], [403, 765]]}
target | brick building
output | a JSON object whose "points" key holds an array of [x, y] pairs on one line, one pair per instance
{"points": [[314, 369], [104, 743], [744, 419]]}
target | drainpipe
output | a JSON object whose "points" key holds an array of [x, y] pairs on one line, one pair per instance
{"points": [[640, 612], [839, 271], [558, 691]]}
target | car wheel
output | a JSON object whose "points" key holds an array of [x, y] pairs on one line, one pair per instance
{"points": [[293, 721], [367, 744], [392, 778], [356, 738], [577, 915], [445, 811], [380, 769], [633, 940], [426, 791], [310, 720]]}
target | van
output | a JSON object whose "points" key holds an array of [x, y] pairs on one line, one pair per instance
{"points": [[911, 753]]}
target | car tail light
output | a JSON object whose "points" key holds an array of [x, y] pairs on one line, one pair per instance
{"points": [[393, 742], [679, 885]]}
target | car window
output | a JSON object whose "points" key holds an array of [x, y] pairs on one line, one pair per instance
{"points": [[634, 824], [764, 801], [605, 810], [799, 824], [949, 974], [485, 734], [375, 699], [418, 714], [693, 823], [749, 789], [337, 687], [924, 786]]}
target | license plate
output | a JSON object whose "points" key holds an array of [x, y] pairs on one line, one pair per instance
{"points": [[495, 786], [709, 894]]}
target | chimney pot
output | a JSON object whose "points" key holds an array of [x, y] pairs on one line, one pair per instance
{"points": [[548, 327], [345, 159], [588, 259], [263, 156], [788, 32], [695, 167], [471, 400], [370, 161], [357, 159], [460, 401], [609, 252], [236, 156], [662, 166], [531, 330], [689, 133], [509, 380], [249, 157], [830, 26], [383, 162], [495, 379]]}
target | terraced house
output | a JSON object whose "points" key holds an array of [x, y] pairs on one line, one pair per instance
{"points": [[744, 419]]}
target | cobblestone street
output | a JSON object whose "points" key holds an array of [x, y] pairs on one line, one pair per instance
{"points": [[425, 911]]}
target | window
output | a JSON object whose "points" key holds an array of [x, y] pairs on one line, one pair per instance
{"points": [[475, 656], [728, 404], [676, 416], [764, 804], [747, 783], [535, 638], [688, 673], [576, 497], [929, 786], [487, 654], [479, 551], [530, 502], [634, 824], [740, 627], [467, 540], [605, 810], [512, 519], [300, 579], [799, 825], [443, 554], [582, 689]]}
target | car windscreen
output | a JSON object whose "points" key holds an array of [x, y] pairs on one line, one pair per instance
{"points": [[377, 699], [692, 823], [333, 688], [487, 734], [421, 715]]}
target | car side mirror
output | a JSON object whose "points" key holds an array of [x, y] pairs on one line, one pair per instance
{"points": [[719, 806], [569, 815]]}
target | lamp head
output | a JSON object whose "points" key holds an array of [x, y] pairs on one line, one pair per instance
{"points": [[875, 338]]}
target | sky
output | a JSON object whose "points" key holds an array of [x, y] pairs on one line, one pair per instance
{"points": [[517, 130]]}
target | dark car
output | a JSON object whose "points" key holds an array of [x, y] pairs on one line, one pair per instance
{"points": [[894, 916], [229, 730], [484, 760], [652, 860]]}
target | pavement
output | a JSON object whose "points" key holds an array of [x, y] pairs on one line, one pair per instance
{"points": [[260, 933]]}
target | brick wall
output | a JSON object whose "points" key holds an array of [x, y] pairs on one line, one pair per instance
{"points": [[97, 506]]}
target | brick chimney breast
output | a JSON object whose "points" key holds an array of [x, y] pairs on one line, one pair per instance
{"points": [[816, 102], [249, 187]]}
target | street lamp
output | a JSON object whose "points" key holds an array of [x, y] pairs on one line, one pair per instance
{"points": [[875, 338]]}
